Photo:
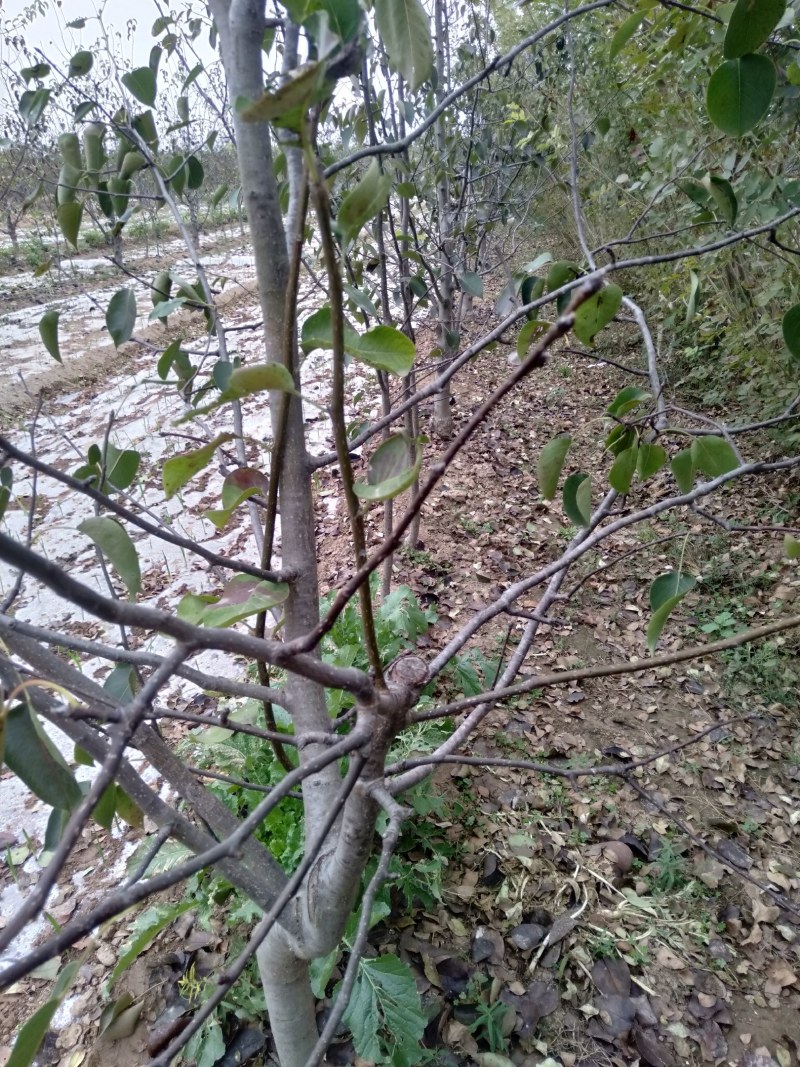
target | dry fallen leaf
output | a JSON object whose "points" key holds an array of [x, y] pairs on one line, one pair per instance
{"points": [[667, 958]]}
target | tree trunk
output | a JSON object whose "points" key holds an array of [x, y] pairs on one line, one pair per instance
{"points": [[321, 908], [442, 414]]}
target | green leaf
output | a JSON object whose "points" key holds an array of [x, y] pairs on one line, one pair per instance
{"points": [[141, 83], [32, 756], [740, 92], [114, 542], [128, 810], [620, 438], [625, 32], [713, 456], [559, 274], [82, 757], [82, 110], [80, 64], [106, 806], [178, 470], [70, 148], [696, 191], [361, 300], [196, 174], [192, 606], [364, 202], [69, 219], [245, 381], [650, 460], [385, 999], [166, 308], [145, 928], [39, 71], [626, 400], [122, 683], [119, 1018], [6, 483], [32, 104], [384, 348], [577, 498], [530, 290], [666, 593], [121, 466], [694, 297], [405, 30], [390, 471], [242, 597], [531, 331], [791, 330], [597, 312], [287, 106], [33, 1032], [48, 331], [791, 547], [471, 283], [683, 469], [750, 25], [724, 197], [238, 486], [121, 316], [551, 460], [622, 469], [317, 332]]}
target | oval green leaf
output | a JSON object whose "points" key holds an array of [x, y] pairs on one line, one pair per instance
{"points": [[471, 283], [791, 330], [724, 198], [196, 174], [404, 27], [390, 471], [750, 25], [551, 462], [683, 469], [178, 470], [625, 32], [713, 456], [141, 83], [114, 542], [626, 400], [244, 596], [48, 331], [80, 64], [384, 348], [121, 316], [740, 92], [532, 330], [666, 593], [30, 754], [577, 498], [622, 469], [364, 202], [597, 312], [288, 104], [650, 460], [69, 219]]}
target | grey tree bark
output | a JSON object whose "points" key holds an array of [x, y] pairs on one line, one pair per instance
{"points": [[442, 415], [320, 910]]}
